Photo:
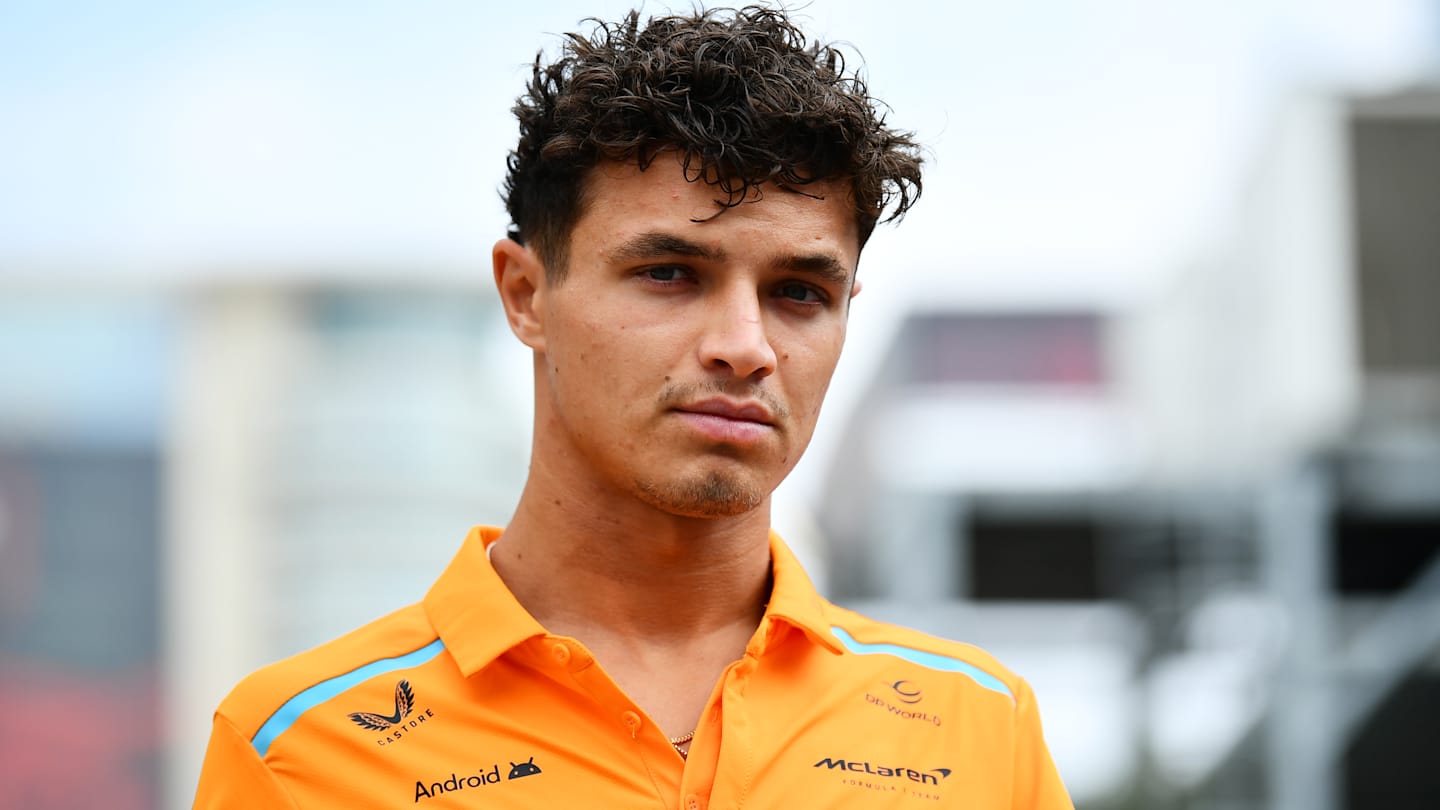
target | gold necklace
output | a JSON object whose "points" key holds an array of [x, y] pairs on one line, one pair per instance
{"points": [[676, 742]]}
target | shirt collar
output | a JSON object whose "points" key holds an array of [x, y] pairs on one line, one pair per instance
{"points": [[478, 618], [794, 600], [472, 610]]}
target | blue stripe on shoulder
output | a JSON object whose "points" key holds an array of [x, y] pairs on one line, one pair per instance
{"points": [[286, 715], [943, 663]]}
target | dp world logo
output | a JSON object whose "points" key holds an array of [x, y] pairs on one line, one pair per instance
{"points": [[906, 692], [899, 698]]}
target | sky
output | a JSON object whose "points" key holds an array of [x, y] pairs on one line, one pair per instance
{"points": [[181, 139]]}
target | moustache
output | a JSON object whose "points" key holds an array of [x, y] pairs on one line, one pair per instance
{"points": [[677, 393]]}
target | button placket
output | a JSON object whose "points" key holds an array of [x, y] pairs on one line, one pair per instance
{"points": [[632, 722]]}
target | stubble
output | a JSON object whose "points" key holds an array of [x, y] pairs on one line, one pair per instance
{"points": [[716, 495]]}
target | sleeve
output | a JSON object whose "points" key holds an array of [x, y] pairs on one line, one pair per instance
{"points": [[1037, 782], [234, 776]]}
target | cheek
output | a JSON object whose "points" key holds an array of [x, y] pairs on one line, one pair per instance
{"points": [[808, 372], [600, 370], [576, 347]]}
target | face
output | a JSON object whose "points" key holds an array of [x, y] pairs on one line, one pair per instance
{"points": [[682, 362]]}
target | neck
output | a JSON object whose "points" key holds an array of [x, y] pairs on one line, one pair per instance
{"points": [[664, 602], [595, 565]]}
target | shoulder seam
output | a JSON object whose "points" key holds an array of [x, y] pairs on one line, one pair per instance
{"points": [[925, 658], [304, 700], [274, 780]]}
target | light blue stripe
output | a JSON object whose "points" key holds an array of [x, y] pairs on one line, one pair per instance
{"points": [[286, 715], [943, 663]]}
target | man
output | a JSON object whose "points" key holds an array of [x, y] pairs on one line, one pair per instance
{"points": [[690, 198]]}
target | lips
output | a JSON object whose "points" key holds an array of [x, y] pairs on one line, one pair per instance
{"points": [[742, 411], [729, 422]]}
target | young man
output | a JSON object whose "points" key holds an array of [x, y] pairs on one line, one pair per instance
{"points": [[690, 198]]}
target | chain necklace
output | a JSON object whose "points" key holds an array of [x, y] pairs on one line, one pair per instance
{"points": [[677, 742]]}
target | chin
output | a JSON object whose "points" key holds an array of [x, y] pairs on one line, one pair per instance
{"points": [[713, 496]]}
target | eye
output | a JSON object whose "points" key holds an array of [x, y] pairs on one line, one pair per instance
{"points": [[664, 273], [800, 293]]}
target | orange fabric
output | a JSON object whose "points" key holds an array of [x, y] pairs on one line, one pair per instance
{"points": [[465, 701]]}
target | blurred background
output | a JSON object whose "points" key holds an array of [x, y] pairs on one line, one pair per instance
{"points": [[1144, 397]]}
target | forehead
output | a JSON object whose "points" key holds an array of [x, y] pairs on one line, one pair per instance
{"points": [[620, 200]]}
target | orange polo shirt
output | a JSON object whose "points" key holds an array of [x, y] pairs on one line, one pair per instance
{"points": [[464, 700]]}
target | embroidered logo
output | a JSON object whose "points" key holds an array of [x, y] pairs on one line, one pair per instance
{"points": [[477, 778], [404, 704], [526, 768], [900, 780], [407, 718], [927, 777], [907, 692], [901, 701]]}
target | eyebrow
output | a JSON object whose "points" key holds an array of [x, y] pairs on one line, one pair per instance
{"points": [[822, 265], [653, 244]]}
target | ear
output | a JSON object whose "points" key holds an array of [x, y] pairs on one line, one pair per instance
{"points": [[519, 278], [854, 291]]}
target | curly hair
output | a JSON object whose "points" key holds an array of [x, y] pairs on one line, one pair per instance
{"points": [[739, 95]]}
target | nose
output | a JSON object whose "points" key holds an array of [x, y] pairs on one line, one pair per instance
{"points": [[735, 339]]}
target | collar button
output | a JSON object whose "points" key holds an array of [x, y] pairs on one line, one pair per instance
{"points": [[561, 653], [632, 722]]}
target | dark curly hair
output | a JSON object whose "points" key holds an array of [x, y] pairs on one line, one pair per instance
{"points": [[738, 94]]}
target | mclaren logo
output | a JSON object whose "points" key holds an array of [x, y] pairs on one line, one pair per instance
{"points": [[404, 704], [406, 717], [930, 777]]}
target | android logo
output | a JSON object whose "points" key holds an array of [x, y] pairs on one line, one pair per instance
{"points": [[526, 768]]}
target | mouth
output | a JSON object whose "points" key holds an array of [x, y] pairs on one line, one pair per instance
{"points": [[747, 411], [728, 421]]}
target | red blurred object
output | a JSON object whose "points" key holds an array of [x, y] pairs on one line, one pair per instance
{"points": [[78, 741]]}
